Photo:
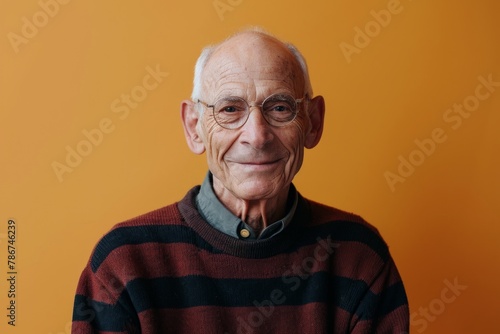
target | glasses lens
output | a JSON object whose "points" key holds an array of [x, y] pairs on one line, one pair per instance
{"points": [[279, 109], [230, 112]]}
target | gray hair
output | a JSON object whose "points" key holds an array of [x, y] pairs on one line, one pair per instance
{"points": [[207, 52]]}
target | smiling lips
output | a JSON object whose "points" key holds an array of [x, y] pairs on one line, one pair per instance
{"points": [[258, 164]]}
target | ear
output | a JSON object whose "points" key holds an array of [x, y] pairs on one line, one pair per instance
{"points": [[316, 118], [190, 117]]}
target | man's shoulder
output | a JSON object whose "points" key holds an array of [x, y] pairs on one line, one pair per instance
{"points": [[345, 227], [166, 215], [157, 226], [325, 214]]}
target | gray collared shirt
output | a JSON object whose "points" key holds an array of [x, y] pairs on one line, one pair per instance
{"points": [[217, 215]]}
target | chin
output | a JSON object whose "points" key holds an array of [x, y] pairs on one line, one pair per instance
{"points": [[257, 190]]}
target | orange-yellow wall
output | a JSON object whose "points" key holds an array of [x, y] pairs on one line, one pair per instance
{"points": [[386, 93]]}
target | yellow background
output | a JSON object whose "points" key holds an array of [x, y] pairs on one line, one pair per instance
{"points": [[442, 223]]}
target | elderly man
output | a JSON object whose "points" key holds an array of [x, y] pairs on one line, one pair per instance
{"points": [[245, 252]]}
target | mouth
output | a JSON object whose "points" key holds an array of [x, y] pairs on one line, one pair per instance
{"points": [[266, 161], [260, 165], [259, 162]]}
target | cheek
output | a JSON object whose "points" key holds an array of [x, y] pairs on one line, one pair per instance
{"points": [[207, 128], [297, 135], [302, 124], [293, 142], [217, 142]]}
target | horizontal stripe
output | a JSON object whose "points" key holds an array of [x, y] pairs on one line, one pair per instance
{"points": [[392, 298], [310, 318], [193, 291], [374, 306], [152, 260], [103, 316], [134, 235]]}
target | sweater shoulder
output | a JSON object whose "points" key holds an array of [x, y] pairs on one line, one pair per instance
{"points": [[167, 215], [345, 226], [324, 214], [160, 225]]}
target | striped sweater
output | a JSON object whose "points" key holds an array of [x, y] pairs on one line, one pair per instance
{"points": [[169, 271]]}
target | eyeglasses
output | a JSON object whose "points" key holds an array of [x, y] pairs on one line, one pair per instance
{"points": [[233, 112]]}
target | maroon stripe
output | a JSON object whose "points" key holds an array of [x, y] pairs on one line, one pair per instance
{"points": [[308, 318]]}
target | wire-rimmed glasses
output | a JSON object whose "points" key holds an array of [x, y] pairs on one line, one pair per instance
{"points": [[232, 112]]}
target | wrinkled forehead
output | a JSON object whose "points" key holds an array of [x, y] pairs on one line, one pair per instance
{"points": [[252, 59]]}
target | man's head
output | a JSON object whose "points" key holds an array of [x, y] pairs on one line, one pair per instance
{"points": [[258, 160]]}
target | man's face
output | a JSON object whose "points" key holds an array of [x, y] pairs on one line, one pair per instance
{"points": [[257, 161]]}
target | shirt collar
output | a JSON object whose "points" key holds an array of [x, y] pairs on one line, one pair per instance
{"points": [[217, 215]]}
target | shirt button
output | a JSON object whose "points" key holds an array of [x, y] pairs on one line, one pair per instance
{"points": [[245, 233]]}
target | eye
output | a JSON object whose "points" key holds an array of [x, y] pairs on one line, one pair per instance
{"points": [[280, 108], [279, 104], [230, 105], [229, 109]]}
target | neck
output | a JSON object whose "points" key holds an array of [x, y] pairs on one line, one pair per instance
{"points": [[256, 213]]}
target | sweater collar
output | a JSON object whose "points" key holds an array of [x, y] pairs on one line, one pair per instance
{"points": [[262, 248]]}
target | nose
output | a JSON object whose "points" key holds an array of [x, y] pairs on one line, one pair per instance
{"points": [[256, 131]]}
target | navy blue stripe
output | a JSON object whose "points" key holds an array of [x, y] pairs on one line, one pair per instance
{"points": [[135, 235], [192, 291], [102, 316], [392, 298], [374, 306], [347, 294], [338, 231]]}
